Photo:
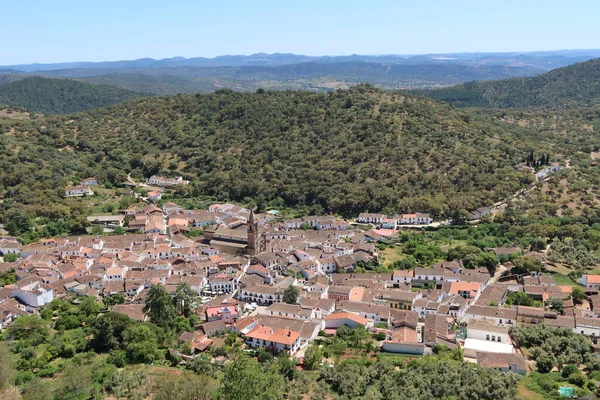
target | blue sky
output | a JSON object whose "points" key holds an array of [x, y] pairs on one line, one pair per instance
{"points": [[69, 30]]}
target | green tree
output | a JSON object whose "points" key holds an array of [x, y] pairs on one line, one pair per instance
{"points": [[290, 296], [130, 384], [141, 344], [578, 295], [186, 387], [245, 379], [159, 307], [312, 357], [183, 299], [527, 264]]}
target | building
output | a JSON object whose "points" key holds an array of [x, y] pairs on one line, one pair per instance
{"points": [[590, 281], [368, 218], [488, 331], [341, 318], [161, 181], [78, 191], [274, 340], [89, 182], [504, 362]]}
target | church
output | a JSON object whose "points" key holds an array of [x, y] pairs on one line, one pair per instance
{"points": [[248, 241]]}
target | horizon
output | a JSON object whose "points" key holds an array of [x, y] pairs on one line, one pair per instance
{"points": [[66, 30], [466, 53]]}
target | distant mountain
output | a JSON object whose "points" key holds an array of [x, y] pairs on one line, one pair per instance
{"points": [[536, 60], [578, 83], [308, 76], [60, 96]]}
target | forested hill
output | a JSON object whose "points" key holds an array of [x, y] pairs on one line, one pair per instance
{"points": [[346, 151], [60, 96], [575, 84]]}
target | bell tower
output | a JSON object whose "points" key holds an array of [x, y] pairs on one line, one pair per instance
{"points": [[252, 230]]}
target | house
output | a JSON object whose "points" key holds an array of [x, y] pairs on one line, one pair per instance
{"points": [[166, 182], [486, 330], [504, 362], [404, 338], [389, 223], [341, 318], [9, 247], [414, 219], [499, 316], [78, 191], [587, 326], [397, 299], [226, 312], [367, 218], [590, 281], [33, 294], [222, 283], [402, 277], [274, 340], [479, 213], [154, 195], [290, 310], [532, 315]]}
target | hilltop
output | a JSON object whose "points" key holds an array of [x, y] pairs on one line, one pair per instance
{"points": [[59, 96], [574, 84], [347, 151]]}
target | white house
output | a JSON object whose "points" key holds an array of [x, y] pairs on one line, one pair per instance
{"points": [[34, 294], [222, 284], [368, 218], [78, 191], [499, 316], [486, 330], [587, 326], [590, 281], [9, 247], [275, 340], [402, 277]]}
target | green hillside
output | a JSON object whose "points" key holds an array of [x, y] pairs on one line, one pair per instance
{"points": [[345, 152], [60, 96], [575, 84]]}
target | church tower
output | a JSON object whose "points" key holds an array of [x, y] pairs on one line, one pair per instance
{"points": [[252, 229]]}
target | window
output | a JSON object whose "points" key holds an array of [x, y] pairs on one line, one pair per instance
{"points": [[493, 338], [499, 338], [487, 337]]}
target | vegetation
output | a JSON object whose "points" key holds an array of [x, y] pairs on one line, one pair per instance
{"points": [[61, 96], [574, 84], [275, 149]]}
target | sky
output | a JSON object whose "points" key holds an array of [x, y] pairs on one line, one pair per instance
{"points": [[74, 30]]}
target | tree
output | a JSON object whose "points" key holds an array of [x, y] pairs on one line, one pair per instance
{"points": [[11, 257], [312, 357], [290, 296], [184, 297], [578, 295], [244, 379], [108, 331], [159, 307], [29, 327], [141, 344], [556, 305], [186, 387], [130, 384], [97, 230], [527, 264], [545, 362]]}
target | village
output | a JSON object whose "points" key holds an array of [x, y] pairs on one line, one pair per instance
{"points": [[282, 283]]}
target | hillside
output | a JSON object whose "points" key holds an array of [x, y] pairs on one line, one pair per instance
{"points": [[574, 84], [345, 152], [60, 96]]}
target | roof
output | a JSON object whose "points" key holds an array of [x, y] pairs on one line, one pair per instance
{"points": [[488, 346], [483, 325], [501, 360], [592, 278], [347, 315], [493, 312], [133, 311], [282, 336]]}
